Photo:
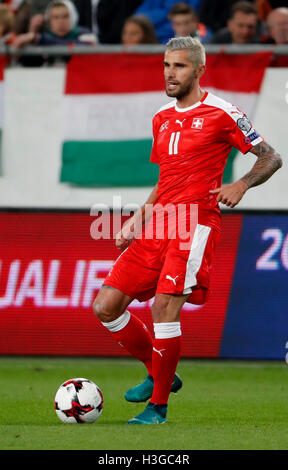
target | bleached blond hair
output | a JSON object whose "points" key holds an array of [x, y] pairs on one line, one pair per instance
{"points": [[197, 53]]}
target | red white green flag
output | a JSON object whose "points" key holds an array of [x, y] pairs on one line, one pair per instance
{"points": [[109, 103]]}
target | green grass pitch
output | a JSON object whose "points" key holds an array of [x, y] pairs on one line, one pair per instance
{"points": [[223, 405]]}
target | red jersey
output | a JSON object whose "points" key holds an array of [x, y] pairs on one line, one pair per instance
{"points": [[191, 146]]}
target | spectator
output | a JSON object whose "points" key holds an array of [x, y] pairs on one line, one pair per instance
{"points": [[62, 21], [242, 26], [138, 30], [21, 12], [6, 25], [110, 16], [38, 8], [266, 6], [215, 13], [185, 22], [157, 11], [277, 23]]}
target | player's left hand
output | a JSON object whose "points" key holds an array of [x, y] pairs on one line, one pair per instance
{"points": [[230, 194]]}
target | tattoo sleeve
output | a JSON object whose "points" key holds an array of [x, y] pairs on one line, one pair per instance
{"points": [[267, 163]]}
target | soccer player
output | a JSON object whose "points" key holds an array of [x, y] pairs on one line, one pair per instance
{"points": [[193, 135]]}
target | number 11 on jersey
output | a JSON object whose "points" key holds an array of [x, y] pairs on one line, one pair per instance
{"points": [[173, 144]]}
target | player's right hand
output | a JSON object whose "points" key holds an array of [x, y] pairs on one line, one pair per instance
{"points": [[121, 242], [125, 237]]}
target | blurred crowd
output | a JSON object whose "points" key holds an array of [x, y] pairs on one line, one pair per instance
{"points": [[130, 22]]}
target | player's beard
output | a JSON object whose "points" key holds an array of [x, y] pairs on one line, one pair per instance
{"points": [[184, 88]]}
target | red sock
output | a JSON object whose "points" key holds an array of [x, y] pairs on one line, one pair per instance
{"points": [[133, 335], [165, 357]]}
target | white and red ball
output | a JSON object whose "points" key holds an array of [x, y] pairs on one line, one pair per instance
{"points": [[78, 401]]}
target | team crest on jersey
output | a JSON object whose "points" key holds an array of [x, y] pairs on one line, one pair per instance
{"points": [[197, 123], [164, 126], [244, 124]]}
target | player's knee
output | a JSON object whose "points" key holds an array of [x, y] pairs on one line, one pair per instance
{"points": [[160, 310], [106, 306], [164, 310], [99, 309], [102, 311]]}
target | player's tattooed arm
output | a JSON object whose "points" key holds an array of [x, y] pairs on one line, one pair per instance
{"points": [[267, 163]]}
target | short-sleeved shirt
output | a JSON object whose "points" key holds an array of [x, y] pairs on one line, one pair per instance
{"points": [[191, 146]]}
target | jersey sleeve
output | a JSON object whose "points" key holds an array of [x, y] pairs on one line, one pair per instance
{"points": [[239, 131], [154, 156]]}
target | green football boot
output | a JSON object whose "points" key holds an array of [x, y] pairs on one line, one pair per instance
{"points": [[143, 391], [153, 414]]}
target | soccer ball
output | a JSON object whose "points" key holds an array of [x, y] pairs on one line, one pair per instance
{"points": [[78, 401]]}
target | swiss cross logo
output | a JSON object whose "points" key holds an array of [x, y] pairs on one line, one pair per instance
{"points": [[197, 123]]}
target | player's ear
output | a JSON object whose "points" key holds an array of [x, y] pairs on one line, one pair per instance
{"points": [[201, 71]]}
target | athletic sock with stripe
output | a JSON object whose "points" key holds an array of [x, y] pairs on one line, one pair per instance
{"points": [[133, 335], [165, 357]]}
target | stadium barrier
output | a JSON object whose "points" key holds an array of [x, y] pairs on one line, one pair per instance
{"points": [[75, 49]]}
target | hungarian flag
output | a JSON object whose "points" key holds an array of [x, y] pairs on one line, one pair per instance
{"points": [[109, 103], [108, 107]]}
